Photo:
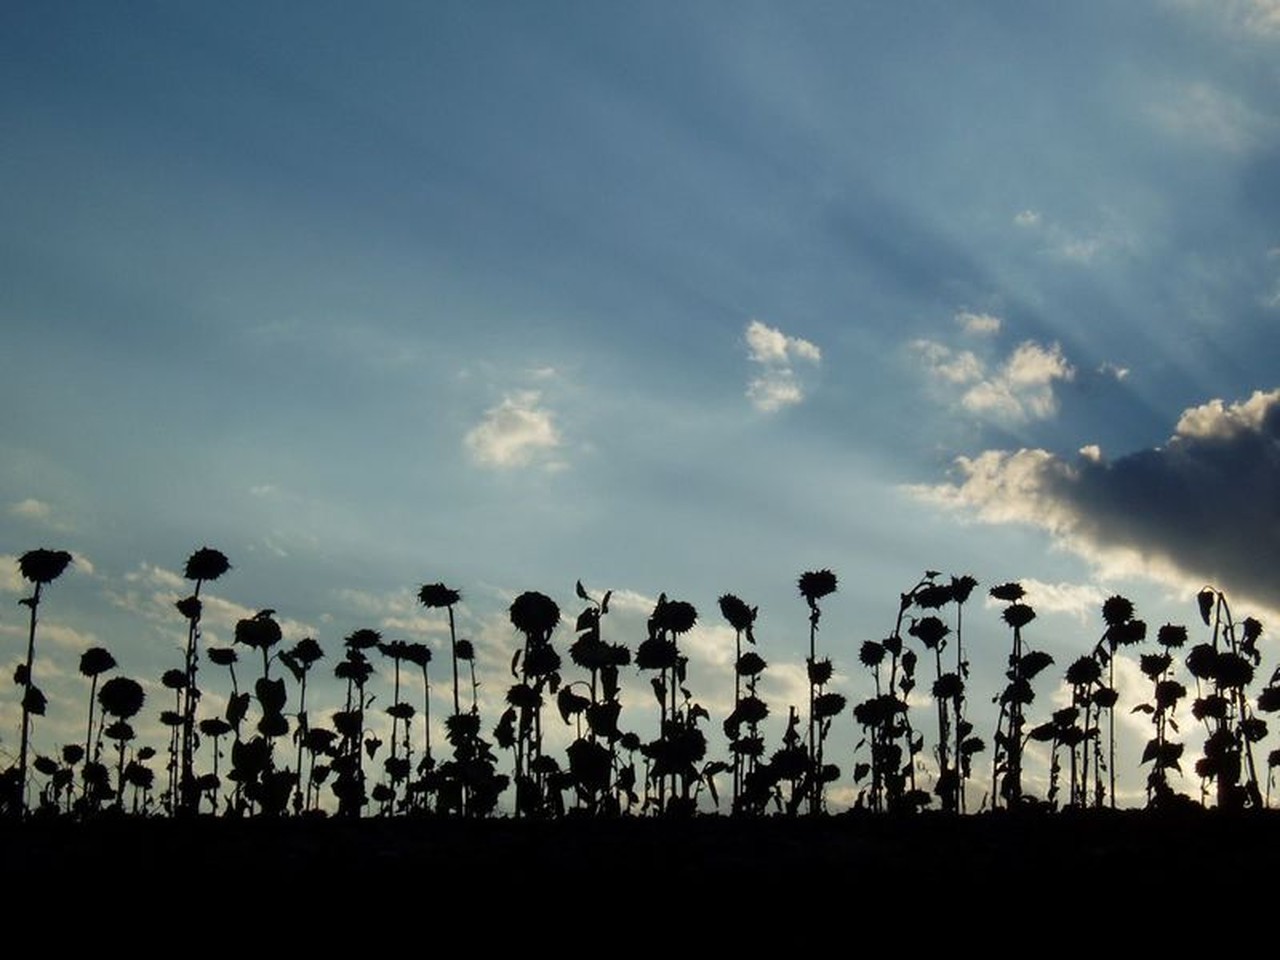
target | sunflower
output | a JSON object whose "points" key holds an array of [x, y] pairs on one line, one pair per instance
{"points": [[206, 564], [96, 661], [438, 595], [43, 566], [534, 614], [816, 584], [121, 697]]}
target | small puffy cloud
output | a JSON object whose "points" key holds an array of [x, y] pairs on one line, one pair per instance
{"points": [[978, 324], [774, 391], [1202, 508], [515, 433], [1113, 371], [1021, 388], [769, 345], [32, 509], [778, 385], [1027, 218]]}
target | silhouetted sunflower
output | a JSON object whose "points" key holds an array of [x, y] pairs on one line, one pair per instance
{"points": [[43, 566], [438, 595], [96, 661], [206, 564], [534, 614], [1009, 592], [1171, 636], [1018, 615], [1117, 610], [677, 616], [736, 611], [363, 639], [816, 584], [222, 656], [122, 697]]}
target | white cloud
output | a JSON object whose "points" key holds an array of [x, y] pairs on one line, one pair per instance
{"points": [[10, 575], [515, 433], [769, 345], [1200, 509], [1201, 113], [32, 509], [774, 391], [1216, 419], [779, 385], [1021, 389], [1113, 370], [1027, 218], [979, 324]]}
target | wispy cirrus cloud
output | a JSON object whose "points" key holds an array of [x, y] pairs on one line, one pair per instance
{"points": [[518, 432], [1201, 508], [778, 385]]}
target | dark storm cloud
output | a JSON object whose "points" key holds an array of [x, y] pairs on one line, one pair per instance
{"points": [[1203, 507]]}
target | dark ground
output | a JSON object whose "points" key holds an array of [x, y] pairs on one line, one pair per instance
{"points": [[861, 855]]}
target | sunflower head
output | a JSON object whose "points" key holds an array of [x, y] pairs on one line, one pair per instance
{"points": [[438, 595], [206, 564], [816, 584], [534, 614], [43, 566]]}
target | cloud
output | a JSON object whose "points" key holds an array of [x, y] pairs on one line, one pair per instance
{"points": [[778, 385], [32, 509], [1260, 18], [774, 391], [1027, 218], [1020, 389], [1113, 370], [1203, 114], [979, 324], [1201, 509], [515, 433], [771, 346]]}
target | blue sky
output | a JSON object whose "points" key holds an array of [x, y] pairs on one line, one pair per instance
{"points": [[684, 298]]}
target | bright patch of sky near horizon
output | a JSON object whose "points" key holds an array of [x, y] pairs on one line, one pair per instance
{"points": [[668, 297]]}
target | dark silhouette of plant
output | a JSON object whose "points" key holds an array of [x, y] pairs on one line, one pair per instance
{"points": [[751, 791], [40, 567], [348, 763], [674, 757], [398, 765], [1162, 753], [1269, 702], [299, 660], [948, 687], [121, 698], [206, 564], [258, 781], [422, 791], [886, 722], [1122, 630], [593, 758], [536, 666], [1232, 729], [823, 706], [1024, 665], [94, 662], [1075, 728]]}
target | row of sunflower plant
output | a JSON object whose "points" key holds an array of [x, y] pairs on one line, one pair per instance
{"points": [[263, 756]]}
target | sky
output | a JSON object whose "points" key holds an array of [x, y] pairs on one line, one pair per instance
{"points": [[682, 298]]}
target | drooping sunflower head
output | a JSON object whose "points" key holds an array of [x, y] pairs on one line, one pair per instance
{"points": [[43, 566], [816, 584]]}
